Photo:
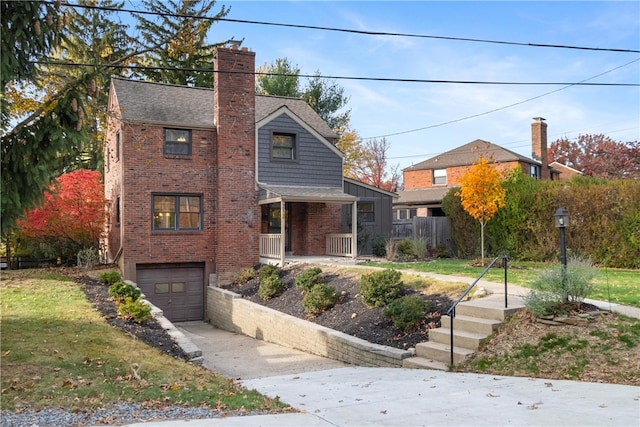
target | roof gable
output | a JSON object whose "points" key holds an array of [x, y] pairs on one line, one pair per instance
{"points": [[284, 109], [267, 104], [193, 107], [468, 154]]}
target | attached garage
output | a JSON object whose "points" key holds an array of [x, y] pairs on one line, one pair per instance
{"points": [[177, 289]]}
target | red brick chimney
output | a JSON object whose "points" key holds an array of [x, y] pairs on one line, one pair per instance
{"points": [[539, 145], [236, 207]]}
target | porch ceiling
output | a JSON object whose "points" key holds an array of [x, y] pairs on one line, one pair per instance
{"points": [[273, 193]]}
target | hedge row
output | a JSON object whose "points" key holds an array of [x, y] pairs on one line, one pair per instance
{"points": [[605, 221]]}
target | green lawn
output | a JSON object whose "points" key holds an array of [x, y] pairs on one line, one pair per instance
{"points": [[58, 352], [615, 285]]}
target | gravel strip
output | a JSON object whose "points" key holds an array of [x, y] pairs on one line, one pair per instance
{"points": [[118, 414]]}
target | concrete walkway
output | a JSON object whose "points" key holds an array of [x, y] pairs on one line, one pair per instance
{"points": [[331, 393]]}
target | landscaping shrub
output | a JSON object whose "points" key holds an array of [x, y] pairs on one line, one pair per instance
{"points": [[406, 312], [391, 249], [320, 298], [134, 309], [381, 287], [549, 292], [119, 291], [309, 278], [270, 286], [378, 246], [243, 276], [419, 247], [405, 250], [110, 277], [268, 270], [88, 258]]}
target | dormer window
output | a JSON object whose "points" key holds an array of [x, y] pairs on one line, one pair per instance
{"points": [[283, 146], [177, 142], [439, 177]]}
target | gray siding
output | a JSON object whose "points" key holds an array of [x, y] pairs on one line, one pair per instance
{"points": [[316, 165], [382, 215]]}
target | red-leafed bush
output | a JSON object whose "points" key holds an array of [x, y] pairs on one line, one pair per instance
{"points": [[71, 218]]}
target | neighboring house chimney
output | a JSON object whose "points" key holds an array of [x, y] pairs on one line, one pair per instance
{"points": [[539, 145], [236, 206]]}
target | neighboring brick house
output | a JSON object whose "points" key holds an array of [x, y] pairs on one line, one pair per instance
{"points": [[426, 183], [203, 183]]}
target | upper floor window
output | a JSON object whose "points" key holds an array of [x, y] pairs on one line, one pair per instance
{"points": [[177, 142], [535, 171], [177, 212], [283, 146], [439, 177]]}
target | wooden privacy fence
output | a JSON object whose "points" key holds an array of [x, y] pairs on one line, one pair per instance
{"points": [[435, 229]]}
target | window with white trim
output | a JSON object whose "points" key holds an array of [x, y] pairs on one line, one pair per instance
{"points": [[283, 146], [439, 177]]}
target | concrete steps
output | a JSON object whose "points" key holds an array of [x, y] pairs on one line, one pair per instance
{"points": [[474, 322]]}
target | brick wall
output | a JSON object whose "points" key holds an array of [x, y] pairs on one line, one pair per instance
{"points": [[237, 221], [417, 179], [229, 311], [112, 182], [147, 171], [423, 178], [310, 224]]}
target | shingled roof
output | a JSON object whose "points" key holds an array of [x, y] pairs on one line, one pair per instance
{"points": [[185, 106], [267, 104], [159, 103], [468, 154]]}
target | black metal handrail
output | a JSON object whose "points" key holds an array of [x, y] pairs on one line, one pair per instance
{"points": [[452, 310]]}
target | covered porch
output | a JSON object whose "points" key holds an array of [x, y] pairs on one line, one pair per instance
{"points": [[305, 221]]}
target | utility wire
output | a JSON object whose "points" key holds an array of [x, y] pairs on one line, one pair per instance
{"points": [[379, 79], [345, 30], [567, 86]]}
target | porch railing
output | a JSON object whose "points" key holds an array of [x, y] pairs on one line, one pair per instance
{"points": [[270, 245], [339, 244]]}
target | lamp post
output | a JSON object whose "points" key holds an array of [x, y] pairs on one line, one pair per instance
{"points": [[562, 222]]}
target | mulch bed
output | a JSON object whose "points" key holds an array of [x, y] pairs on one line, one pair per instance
{"points": [[149, 332], [350, 315]]}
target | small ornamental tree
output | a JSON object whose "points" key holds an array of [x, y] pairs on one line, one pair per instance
{"points": [[481, 194], [71, 217]]}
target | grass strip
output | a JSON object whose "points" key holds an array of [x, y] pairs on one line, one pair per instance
{"points": [[58, 352]]}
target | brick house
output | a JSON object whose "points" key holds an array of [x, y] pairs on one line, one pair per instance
{"points": [[203, 183], [426, 183]]}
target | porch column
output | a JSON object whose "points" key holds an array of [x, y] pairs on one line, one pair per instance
{"points": [[354, 229], [283, 232]]}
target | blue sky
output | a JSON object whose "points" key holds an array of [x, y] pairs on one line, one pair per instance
{"points": [[385, 108]]}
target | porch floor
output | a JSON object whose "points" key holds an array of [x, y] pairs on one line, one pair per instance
{"points": [[320, 260]]}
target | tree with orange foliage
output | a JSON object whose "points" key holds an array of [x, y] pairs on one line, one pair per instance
{"points": [[482, 194], [71, 217]]}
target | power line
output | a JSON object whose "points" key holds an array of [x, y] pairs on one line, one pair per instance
{"points": [[346, 30], [378, 79], [581, 83]]}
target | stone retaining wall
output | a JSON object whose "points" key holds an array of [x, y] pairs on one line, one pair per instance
{"points": [[229, 311]]}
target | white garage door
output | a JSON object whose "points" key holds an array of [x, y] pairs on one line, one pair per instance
{"points": [[177, 290]]}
